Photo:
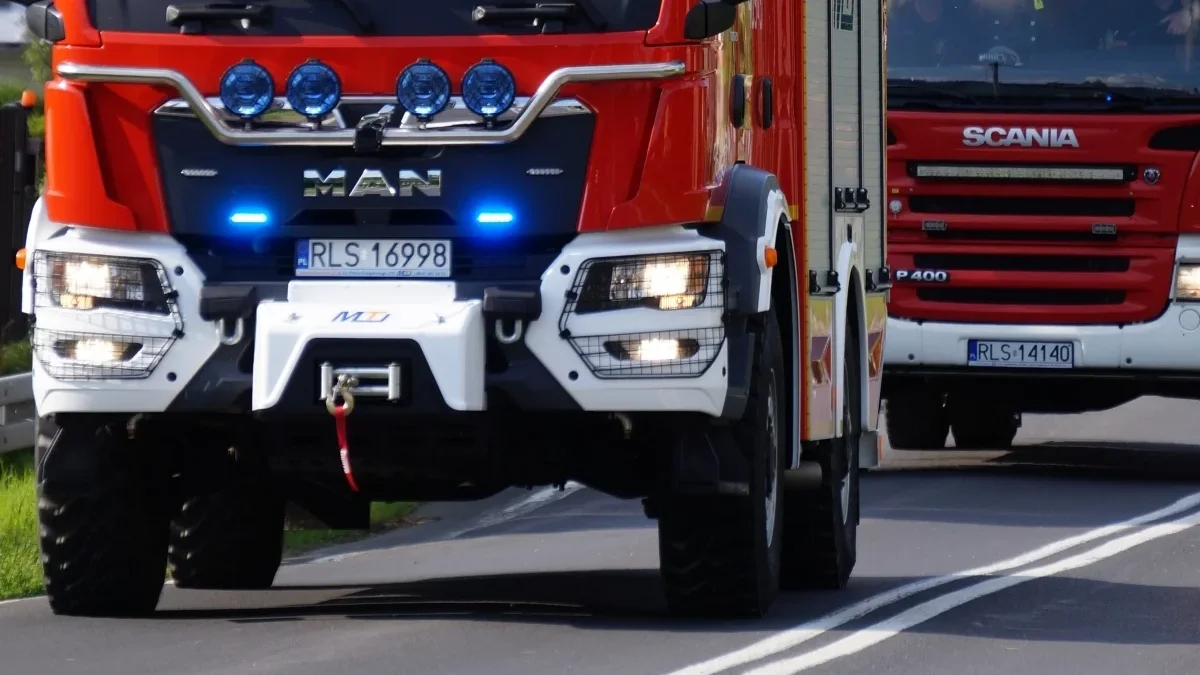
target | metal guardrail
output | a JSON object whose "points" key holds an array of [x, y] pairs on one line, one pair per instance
{"points": [[17, 412]]}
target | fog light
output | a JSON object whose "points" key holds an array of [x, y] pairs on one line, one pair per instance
{"points": [[1187, 283], [96, 356], [666, 354], [653, 349], [667, 282], [74, 281]]}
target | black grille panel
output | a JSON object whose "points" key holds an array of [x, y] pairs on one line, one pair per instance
{"points": [[1021, 263], [1022, 296], [1021, 206]]}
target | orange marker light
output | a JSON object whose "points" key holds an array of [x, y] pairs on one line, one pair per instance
{"points": [[21, 259], [28, 98], [770, 256]]}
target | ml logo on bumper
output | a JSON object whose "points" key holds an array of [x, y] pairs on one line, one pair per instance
{"points": [[373, 183], [361, 317]]}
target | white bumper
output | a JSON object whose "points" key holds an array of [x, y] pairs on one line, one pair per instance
{"points": [[450, 332], [1170, 343]]}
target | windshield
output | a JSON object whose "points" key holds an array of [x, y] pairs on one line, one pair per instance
{"points": [[1133, 43], [383, 17]]}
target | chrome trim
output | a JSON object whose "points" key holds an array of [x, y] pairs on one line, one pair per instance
{"points": [[340, 137], [281, 114]]}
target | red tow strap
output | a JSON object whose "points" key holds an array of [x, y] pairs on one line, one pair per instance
{"points": [[339, 419]]}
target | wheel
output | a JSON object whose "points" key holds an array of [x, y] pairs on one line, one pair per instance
{"points": [[719, 556], [916, 419], [821, 532], [981, 424], [231, 539], [103, 524]]}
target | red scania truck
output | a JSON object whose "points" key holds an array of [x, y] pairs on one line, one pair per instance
{"points": [[329, 252], [1043, 193]]}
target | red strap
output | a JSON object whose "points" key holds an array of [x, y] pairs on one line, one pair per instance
{"points": [[339, 419]]}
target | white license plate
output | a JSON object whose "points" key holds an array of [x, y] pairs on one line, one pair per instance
{"points": [[1020, 354], [373, 258]]}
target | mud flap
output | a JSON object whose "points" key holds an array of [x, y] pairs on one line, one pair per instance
{"points": [[870, 450]]}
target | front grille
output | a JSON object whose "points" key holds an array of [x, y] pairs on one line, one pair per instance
{"points": [[273, 259], [1021, 206], [1021, 263], [1022, 296]]}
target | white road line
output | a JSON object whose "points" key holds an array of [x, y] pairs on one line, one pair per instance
{"points": [[793, 637], [534, 501], [929, 609]]}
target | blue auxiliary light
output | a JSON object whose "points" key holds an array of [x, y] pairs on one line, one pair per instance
{"points": [[247, 89], [488, 89], [248, 218], [313, 89], [494, 218], [423, 89]]}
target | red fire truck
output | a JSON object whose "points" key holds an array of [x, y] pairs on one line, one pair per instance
{"points": [[326, 252], [1042, 195]]}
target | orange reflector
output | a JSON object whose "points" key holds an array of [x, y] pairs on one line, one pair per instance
{"points": [[28, 98], [770, 256], [21, 259]]}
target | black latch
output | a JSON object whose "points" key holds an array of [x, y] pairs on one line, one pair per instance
{"points": [[851, 199], [228, 302], [879, 280], [504, 303]]}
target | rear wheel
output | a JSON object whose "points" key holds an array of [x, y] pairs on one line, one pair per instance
{"points": [[231, 539], [821, 532], [719, 556], [916, 419], [103, 522]]}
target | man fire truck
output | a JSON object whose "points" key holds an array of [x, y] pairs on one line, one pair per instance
{"points": [[1043, 191], [434, 253]]}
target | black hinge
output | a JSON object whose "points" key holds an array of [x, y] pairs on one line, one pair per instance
{"points": [[832, 283], [879, 280], [855, 200]]}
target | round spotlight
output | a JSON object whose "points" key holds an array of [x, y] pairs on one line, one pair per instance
{"points": [[247, 89], [423, 89], [488, 89], [313, 89]]}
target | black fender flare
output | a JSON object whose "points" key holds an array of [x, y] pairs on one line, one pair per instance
{"points": [[745, 199]]}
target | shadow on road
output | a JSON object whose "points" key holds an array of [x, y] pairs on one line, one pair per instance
{"points": [[603, 600]]}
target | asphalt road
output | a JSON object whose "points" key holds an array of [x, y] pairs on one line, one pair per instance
{"points": [[1075, 553]]}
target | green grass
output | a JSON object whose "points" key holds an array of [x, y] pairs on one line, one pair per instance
{"points": [[15, 357], [384, 516], [20, 567]]}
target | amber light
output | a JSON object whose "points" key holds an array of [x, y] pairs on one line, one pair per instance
{"points": [[21, 259]]}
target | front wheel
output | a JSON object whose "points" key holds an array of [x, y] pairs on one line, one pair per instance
{"points": [[720, 556], [103, 523], [231, 539]]}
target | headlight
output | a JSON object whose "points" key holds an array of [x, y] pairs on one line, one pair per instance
{"points": [[1187, 283], [83, 282], [675, 281]]}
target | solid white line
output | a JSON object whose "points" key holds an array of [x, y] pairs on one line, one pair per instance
{"points": [[925, 611], [792, 637], [530, 503]]}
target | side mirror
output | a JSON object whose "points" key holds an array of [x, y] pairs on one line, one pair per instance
{"points": [[45, 21], [707, 18]]}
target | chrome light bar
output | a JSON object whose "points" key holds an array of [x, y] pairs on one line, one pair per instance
{"points": [[213, 118]]}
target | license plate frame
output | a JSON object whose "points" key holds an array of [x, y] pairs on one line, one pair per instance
{"points": [[1017, 353], [377, 253]]}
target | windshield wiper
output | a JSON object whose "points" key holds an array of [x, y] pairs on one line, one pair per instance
{"points": [[542, 13], [191, 19], [1098, 92]]}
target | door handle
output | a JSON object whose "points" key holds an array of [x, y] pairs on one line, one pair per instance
{"points": [[766, 103]]}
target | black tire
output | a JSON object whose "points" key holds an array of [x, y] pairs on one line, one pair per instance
{"points": [[103, 532], [720, 556], [821, 532], [980, 424], [227, 540], [916, 419]]}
